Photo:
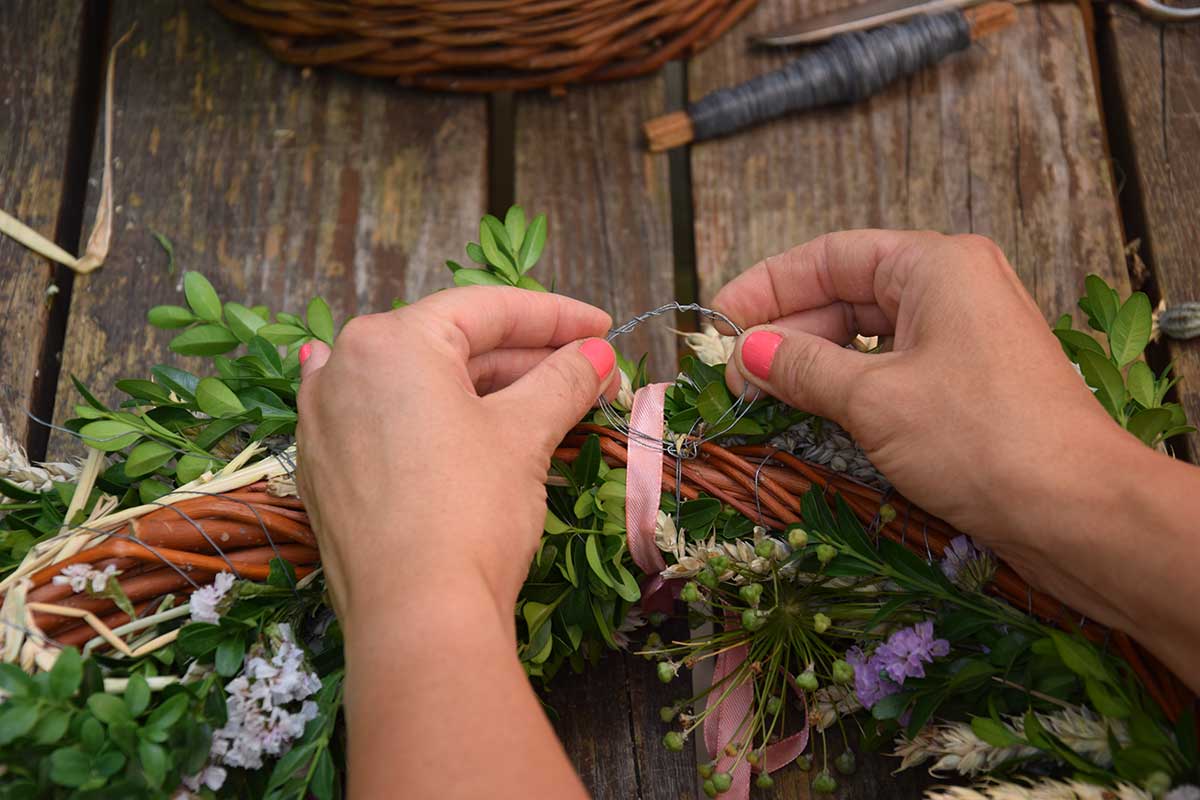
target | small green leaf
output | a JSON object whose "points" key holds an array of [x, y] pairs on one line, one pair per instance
{"points": [[109, 435], [697, 516], [494, 240], [1106, 700], [534, 242], [714, 403], [167, 713], [202, 297], [324, 777], [52, 726], [218, 400], [1130, 331], [204, 340], [1074, 341], [70, 766], [137, 695], [554, 525], [151, 490], [242, 321], [144, 390], [170, 317], [152, 758], [1148, 423], [530, 284], [1102, 302], [281, 574], [596, 563], [477, 277], [192, 466], [514, 224], [108, 708], [183, 384], [994, 733], [1101, 375], [229, 656], [476, 254], [17, 718], [66, 674], [147, 457], [1140, 381], [891, 706], [282, 333], [1079, 656], [320, 320]]}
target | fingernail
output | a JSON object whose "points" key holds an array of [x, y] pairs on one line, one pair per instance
{"points": [[758, 351], [600, 354], [305, 351]]}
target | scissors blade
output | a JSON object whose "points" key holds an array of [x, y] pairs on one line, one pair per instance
{"points": [[860, 17]]}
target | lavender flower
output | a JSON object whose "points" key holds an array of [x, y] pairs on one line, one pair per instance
{"points": [[81, 576], [204, 600], [967, 566], [904, 655]]}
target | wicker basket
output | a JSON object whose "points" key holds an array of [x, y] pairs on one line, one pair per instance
{"points": [[486, 45]]}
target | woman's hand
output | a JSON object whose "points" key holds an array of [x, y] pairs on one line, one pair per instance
{"points": [[426, 435], [977, 415]]}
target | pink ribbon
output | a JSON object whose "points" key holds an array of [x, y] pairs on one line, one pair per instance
{"points": [[728, 713]]}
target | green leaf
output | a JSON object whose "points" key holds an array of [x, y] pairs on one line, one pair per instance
{"points": [[1140, 381], [109, 435], [70, 766], [1106, 700], [153, 760], [204, 340], [15, 680], [1148, 423], [591, 550], [183, 384], [218, 400], [66, 674], [170, 317], [147, 457], [229, 656], [168, 712], [1101, 302], [324, 777], [320, 320], [696, 516], [534, 242], [144, 390], [52, 726], [714, 403], [626, 585], [994, 733], [192, 466], [892, 706], [242, 321], [1079, 656], [554, 525], [1074, 341], [530, 284], [587, 464], [137, 695], [202, 297], [108, 708], [1102, 376], [1130, 331], [281, 574], [476, 254], [477, 277], [493, 238], [282, 333], [514, 225], [17, 718]]}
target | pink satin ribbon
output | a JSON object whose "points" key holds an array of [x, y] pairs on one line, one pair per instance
{"points": [[643, 495]]}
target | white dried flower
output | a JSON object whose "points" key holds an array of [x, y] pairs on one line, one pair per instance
{"points": [[710, 346], [210, 777], [624, 397], [204, 601], [667, 537], [831, 702], [16, 468], [1044, 790], [282, 486], [81, 577]]}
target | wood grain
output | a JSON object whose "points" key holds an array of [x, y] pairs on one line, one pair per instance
{"points": [[276, 184], [39, 55], [580, 159], [1157, 81], [1003, 139]]}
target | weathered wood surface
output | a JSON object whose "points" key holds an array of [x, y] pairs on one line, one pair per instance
{"points": [[276, 184], [1003, 139], [39, 56], [1157, 83], [580, 159]]}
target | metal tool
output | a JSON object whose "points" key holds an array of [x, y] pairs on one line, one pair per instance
{"points": [[872, 14]]}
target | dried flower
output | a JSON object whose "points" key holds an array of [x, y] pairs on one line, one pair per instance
{"points": [[968, 567], [624, 398], [902, 656], [831, 702], [204, 600], [16, 468], [211, 777], [1044, 790], [81, 577], [710, 346]]}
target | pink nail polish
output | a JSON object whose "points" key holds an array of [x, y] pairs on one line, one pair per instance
{"points": [[600, 354], [305, 351], [758, 351]]}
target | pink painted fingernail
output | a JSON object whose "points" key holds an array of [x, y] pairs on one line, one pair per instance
{"points": [[600, 354], [305, 351], [758, 351]]}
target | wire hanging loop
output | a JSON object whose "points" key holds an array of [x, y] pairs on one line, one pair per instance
{"points": [[684, 444]]}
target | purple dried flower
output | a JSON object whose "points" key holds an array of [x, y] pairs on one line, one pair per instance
{"points": [[869, 685], [902, 656], [966, 565]]}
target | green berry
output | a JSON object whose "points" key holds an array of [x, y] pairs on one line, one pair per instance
{"points": [[722, 780], [807, 681], [710, 788], [654, 640], [751, 593], [673, 741], [752, 620], [764, 781], [804, 763], [774, 704], [690, 592], [1157, 783], [797, 538], [765, 548], [824, 783], [752, 758], [708, 578], [666, 671], [705, 770], [842, 671], [820, 622], [845, 763], [886, 513], [719, 564], [666, 713], [826, 553], [657, 618]]}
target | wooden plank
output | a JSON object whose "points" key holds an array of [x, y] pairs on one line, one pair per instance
{"points": [[276, 184], [1156, 81], [1003, 140], [39, 57], [579, 159]]}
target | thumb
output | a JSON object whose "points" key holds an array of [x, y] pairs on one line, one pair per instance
{"points": [[557, 393], [313, 356], [805, 371]]}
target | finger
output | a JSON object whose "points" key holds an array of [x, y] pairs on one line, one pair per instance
{"points": [[839, 322], [805, 371], [497, 369], [835, 268], [478, 319], [556, 394], [313, 356]]}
